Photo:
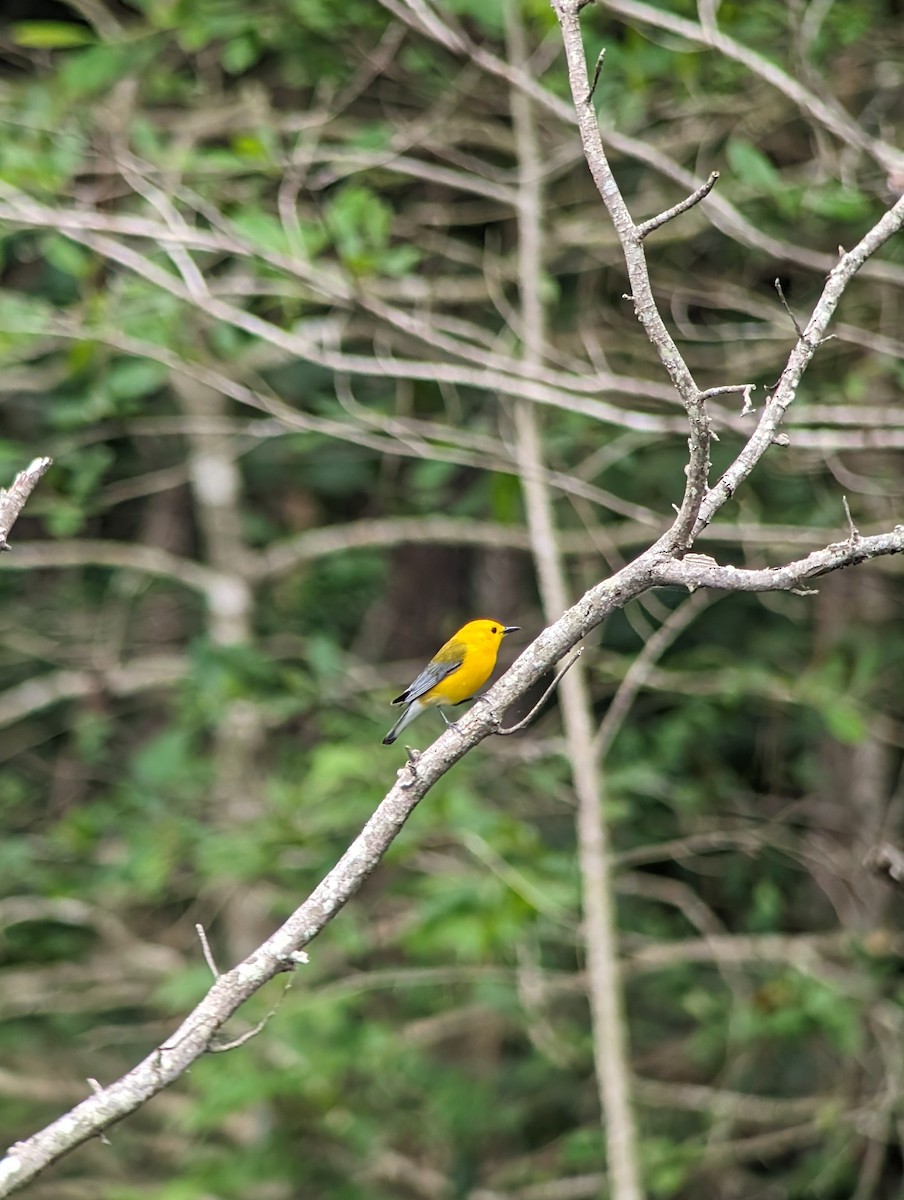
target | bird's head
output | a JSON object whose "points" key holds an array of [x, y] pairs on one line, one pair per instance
{"points": [[490, 632]]}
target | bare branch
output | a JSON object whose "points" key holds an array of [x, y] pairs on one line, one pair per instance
{"points": [[208, 953], [224, 1047], [755, 1109], [126, 679], [647, 227], [824, 111], [799, 359], [633, 681], [697, 470], [96, 1088], [854, 531], [370, 532], [491, 372], [600, 59], [703, 572], [13, 498], [786, 306], [150, 560], [727, 389], [505, 730], [724, 215]]}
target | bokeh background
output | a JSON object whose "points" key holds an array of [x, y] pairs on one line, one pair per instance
{"points": [[259, 301]]}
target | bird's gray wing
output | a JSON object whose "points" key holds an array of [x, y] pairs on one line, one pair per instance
{"points": [[432, 674]]}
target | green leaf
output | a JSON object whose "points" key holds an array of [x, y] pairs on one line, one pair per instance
{"points": [[505, 497], [263, 230], [169, 762], [78, 479], [359, 222], [51, 35], [67, 256], [752, 167], [131, 378], [846, 723], [92, 71], [837, 203], [22, 314], [240, 54], [398, 261]]}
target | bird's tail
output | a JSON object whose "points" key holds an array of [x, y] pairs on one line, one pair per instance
{"points": [[413, 710]]}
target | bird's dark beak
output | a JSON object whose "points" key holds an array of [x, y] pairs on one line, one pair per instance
{"points": [[510, 629]]}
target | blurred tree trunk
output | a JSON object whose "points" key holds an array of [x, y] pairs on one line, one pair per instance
{"points": [[850, 812], [238, 740]]}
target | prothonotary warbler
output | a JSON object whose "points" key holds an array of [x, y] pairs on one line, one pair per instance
{"points": [[454, 673]]}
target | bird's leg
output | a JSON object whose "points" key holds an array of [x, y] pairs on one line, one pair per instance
{"points": [[449, 724]]}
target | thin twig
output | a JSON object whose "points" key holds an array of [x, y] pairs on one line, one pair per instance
{"points": [[596, 74], [637, 674], [728, 389], [787, 307], [223, 1047], [205, 946], [724, 215], [854, 531], [646, 227], [823, 111], [773, 411], [525, 721]]}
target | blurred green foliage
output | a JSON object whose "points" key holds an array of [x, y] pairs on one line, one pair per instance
{"points": [[161, 772]]}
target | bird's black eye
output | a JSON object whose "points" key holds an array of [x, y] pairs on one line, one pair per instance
{"points": [[493, 630]]}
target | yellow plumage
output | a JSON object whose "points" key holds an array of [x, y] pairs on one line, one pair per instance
{"points": [[455, 672]]}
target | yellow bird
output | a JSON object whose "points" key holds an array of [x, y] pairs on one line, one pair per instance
{"points": [[454, 673]]}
